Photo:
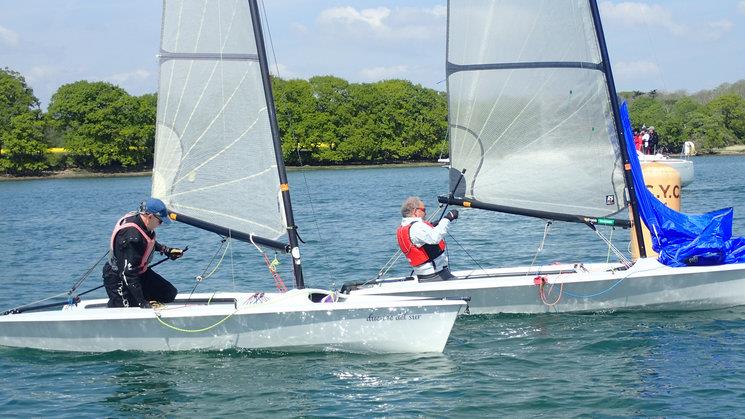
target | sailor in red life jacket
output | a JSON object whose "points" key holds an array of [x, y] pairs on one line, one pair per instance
{"points": [[422, 243], [128, 280]]}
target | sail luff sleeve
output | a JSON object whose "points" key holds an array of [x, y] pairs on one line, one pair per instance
{"points": [[622, 140], [281, 170]]}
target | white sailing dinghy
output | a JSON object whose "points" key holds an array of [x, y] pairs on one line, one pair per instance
{"points": [[218, 166], [535, 130]]}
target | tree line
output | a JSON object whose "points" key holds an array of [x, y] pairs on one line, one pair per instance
{"points": [[323, 121], [712, 119]]}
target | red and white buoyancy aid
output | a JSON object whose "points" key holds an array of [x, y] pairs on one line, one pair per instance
{"points": [[418, 256], [149, 241]]}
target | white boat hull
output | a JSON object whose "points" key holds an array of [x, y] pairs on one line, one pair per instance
{"points": [[682, 166], [288, 322], [648, 285]]}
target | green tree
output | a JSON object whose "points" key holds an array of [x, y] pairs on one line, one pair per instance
{"points": [[16, 98], [397, 120], [296, 114], [332, 120], [103, 126], [708, 132], [732, 110], [673, 130], [26, 146]]}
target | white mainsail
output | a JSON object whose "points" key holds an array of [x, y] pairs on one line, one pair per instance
{"points": [[530, 113], [214, 153]]}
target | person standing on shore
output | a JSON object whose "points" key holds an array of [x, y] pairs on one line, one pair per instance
{"points": [[128, 280], [423, 243]]}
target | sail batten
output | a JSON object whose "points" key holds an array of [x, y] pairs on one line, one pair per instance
{"points": [[454, 68], [165, 56], [215, 158], [530, 116]]}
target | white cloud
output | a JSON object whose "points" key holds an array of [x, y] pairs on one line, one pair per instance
{"points": [[121, 78], [299, 27], [439, 11], [384, 73], [633, 70], [715, 30], [8, 37], [283, 71], [741, 7], [637, 14], [349, 15], [42, 72], [401, 23]]}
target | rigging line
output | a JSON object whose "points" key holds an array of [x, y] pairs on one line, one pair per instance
{"points": [[655, 56], [541, 245], [324, 256], [68, 293], [466, 251], [35, 302], [269, 33], [202, 277], [621, 257], [275, 275], [88, 272]]}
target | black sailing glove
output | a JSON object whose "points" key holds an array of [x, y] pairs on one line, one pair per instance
{"points": [[452, 215], [173, 253]]}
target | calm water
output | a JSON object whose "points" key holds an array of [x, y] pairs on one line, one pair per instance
{"points": [[675, 364]]}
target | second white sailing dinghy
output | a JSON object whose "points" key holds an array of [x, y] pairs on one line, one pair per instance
{"points": [[218, 166], [536, 130]]}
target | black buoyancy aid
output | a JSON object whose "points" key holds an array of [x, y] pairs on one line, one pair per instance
{"points": [[416, 255]]}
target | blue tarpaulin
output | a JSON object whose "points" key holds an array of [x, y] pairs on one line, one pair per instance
{"points": [[683, 239]]}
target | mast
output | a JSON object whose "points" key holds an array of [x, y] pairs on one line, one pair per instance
{"points": [[284, 186], [619, 130]]}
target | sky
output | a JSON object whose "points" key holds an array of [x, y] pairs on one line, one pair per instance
{"points": [[668, 45]]}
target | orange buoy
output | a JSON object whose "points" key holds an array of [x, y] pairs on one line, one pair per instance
{"points": [[664, 183]]}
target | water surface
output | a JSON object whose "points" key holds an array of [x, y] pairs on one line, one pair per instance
{"points": [[640, 364]]}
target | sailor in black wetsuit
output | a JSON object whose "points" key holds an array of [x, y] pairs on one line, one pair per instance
{"points": [[128, 280]]}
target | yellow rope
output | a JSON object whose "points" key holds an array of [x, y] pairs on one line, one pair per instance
{"points": [[170, 326]]}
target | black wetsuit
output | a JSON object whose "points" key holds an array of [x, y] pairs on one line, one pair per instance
{"points": [[124, 285]]}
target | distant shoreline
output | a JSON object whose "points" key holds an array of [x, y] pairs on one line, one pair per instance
{"points": [[85, 174], [735, 150]]}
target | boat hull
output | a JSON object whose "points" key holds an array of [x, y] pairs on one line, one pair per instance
{"points": [[682, 166], [646, 286], [288, 322]]}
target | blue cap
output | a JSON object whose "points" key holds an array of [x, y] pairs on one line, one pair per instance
{"points": [[156, 207]]}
